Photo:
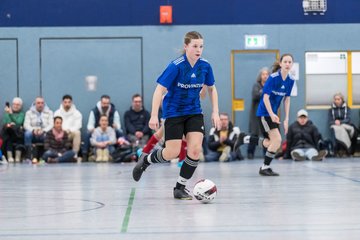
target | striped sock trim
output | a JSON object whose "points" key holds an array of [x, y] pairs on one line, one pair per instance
{"points": [[191, 162], [270, 154], [159, 157], [156, 157]]}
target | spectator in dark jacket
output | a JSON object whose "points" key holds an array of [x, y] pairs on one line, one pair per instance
{"points": [[221, 142], [136, 122], [57, 144], [302, 139], [343, 132]]}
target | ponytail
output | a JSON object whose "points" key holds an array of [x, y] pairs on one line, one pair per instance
{"points": [[276, 66]]}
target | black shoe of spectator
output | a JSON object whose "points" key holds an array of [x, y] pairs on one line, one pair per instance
{"points": [[250, 156]]}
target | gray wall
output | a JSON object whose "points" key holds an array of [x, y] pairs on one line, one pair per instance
{"points": [[35, 60]]}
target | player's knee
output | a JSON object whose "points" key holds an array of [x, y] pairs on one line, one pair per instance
{"points": [[194, 152]]}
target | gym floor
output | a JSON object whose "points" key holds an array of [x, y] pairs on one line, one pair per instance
{"points": [[310, 200]]}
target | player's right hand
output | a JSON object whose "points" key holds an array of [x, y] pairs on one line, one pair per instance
{"points": [[154, 123], [275, 118]]}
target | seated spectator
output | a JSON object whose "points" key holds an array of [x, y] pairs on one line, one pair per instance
{"points": [[344, 134], [38, 120], [72, 121], [136, 122], [13, 131], [57, 144], [103, 107], [302, 139], [221, 142], [103, 140]]}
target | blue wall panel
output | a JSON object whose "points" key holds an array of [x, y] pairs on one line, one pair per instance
{"points": [[8, 71], [115, 61]]}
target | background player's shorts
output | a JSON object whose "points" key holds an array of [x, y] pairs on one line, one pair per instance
{"points": [[177, 127], [266, 124]]}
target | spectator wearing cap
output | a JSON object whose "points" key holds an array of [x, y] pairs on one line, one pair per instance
{"points": [[302, 139]]}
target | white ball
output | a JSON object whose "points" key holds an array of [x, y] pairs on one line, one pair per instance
{"points": [[205, 190]]}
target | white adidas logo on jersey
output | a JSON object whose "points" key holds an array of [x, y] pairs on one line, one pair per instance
{"points": [[193, 75], [283, 87]]}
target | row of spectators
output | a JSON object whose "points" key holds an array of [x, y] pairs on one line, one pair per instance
{"points": [[24, 134]]}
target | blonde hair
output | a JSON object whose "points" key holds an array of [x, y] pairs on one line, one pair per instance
{"points": [[190, 36]]}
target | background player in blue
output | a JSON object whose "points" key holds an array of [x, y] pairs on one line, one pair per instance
{"points": [[181, 82], [277, 88]]}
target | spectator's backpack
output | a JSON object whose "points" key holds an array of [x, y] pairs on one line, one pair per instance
{"points": [[123, 154]]}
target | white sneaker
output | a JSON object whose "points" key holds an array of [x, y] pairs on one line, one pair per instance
{"points": [[99, 155], [321, 155], [3, 160], [10, 157], [17, 156], [225, 154], [105, 155]]}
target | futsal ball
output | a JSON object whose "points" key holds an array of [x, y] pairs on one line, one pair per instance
{"points": [[205, 190]]}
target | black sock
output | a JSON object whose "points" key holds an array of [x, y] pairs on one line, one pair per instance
{"points": [[269, 156], [186, 171], [155, 157]]}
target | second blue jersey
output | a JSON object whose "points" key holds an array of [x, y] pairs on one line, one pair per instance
{"points": [[277, 89], [184, 84]]}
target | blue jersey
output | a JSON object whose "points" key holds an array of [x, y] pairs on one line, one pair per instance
{"points": [[184, 84], [277, 89]]}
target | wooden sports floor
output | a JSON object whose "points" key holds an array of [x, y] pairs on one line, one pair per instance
{"points": [[310, 200]]}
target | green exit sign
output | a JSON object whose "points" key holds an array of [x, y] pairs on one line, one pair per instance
{"points": [[255, 41]]}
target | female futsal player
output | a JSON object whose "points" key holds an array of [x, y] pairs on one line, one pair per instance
{"points": [[182, 82]]}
